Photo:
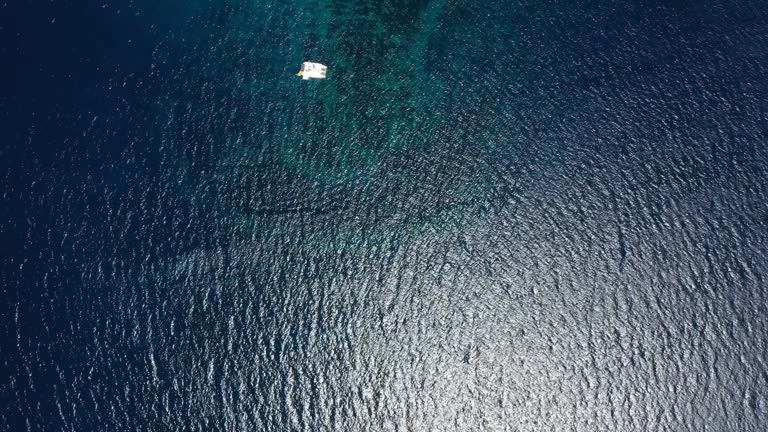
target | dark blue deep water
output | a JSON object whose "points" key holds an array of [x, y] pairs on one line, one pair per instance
{"points": [[492, 216]]}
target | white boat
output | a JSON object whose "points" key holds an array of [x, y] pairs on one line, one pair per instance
{"points": [[312, 70]]}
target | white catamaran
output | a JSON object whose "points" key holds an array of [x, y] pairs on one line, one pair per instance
{"points": [[312, 70]]}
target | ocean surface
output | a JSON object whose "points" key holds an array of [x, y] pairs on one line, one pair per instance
{"points": [[492, 216]]}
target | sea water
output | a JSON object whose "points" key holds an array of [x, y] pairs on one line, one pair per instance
{"points": [[501, 215]]}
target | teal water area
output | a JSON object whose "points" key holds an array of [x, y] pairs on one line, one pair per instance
{"points": [[523, 216]]}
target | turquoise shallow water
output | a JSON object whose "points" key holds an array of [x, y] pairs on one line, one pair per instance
{"points": [[517, 216]]}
